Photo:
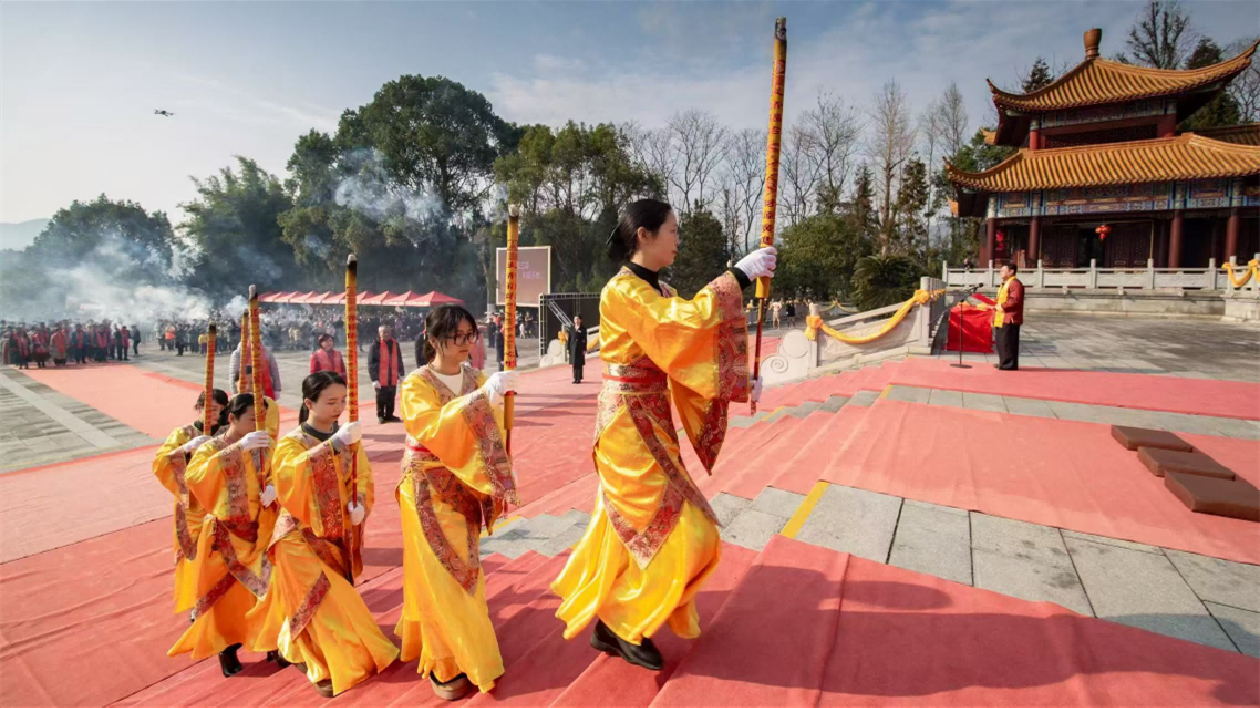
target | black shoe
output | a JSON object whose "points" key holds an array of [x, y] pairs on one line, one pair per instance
{"points": [[228, 662], [645, 654], [380, 420], [393, 419], [281, 662]]}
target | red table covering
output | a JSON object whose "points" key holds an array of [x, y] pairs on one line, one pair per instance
{"points": [[976, 326]]}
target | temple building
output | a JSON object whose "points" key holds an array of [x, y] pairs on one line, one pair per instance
{"points": [[1098, 148]]}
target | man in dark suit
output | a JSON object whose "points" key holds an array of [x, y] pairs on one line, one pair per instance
{"points": [[1007, 318], [577, 348], [385, 367]]}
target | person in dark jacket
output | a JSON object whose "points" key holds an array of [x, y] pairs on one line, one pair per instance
{"points": [[577, 348], [385, 367]]}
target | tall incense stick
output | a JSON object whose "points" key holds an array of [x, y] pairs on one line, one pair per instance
{"points": [[774, 137], [509, 325], [256, 376], [352, 375], [207, 419]]}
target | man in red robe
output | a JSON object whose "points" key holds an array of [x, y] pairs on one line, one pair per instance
{"points": [[1008, 315], [59, 347], [385, 366]]}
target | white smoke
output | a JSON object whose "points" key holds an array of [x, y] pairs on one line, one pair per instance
{"points": [[119, 280], [371, 190]]}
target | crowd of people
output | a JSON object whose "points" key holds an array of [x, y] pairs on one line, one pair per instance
{"points": [[269, 527], [60, 343]]}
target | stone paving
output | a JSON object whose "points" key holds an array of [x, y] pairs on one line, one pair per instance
{"points": [[39, 426], [1190, 348]]}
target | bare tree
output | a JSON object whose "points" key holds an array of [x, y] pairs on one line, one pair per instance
{"points": [[654, 152], [945, 127], [889, 145], [1163, 36], [835, 129], [746, 172], [701, 142], [799, 173], [1245, 88]]}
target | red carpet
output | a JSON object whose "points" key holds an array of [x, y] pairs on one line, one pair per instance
{"points": [[1229, 399], [854, 631], [57, 612], [1053, 472]]}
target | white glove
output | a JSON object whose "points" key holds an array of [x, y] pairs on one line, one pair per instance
{"points": [[356, 514], [756, 391], [347, 435], [760, 263], [191, 446], [268, 496], [498, 385], [256, 440], [376, 385]]}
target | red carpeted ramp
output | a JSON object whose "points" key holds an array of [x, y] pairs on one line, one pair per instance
{"points": [[852, 631], [102, 603], [1054, 472], [1228, 399]]}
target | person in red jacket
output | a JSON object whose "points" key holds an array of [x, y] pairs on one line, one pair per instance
{"points": [[385, 367], [1008, 315], [326, 358]]}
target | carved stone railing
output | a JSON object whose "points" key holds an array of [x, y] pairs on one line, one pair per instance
{"points": [[1211, 278], [798, 356]]}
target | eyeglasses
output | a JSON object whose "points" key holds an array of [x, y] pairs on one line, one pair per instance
{"points": [[466, 338]]}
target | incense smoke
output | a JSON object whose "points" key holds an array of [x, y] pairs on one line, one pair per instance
{"points": [[369, 189]]}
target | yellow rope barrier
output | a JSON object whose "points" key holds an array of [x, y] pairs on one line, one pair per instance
{"points": [[921, 297], [1251, 270]]}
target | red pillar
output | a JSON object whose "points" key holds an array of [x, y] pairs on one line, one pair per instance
{"points": [[1034, 139], [1167, 125], [1034, 240], [1231, 234], [987, 254], [1174, 242]]}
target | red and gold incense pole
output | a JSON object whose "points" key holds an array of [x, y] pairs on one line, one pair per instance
{"points": [[352, 361], [256, 372], [774, 138], [207, 419], [509, 323]]}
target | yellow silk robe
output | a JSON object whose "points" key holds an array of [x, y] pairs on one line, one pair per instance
{"points": [[170, 467], [1003, 293], [232, 570], [456, 480], [312, 614], [653, 538]]}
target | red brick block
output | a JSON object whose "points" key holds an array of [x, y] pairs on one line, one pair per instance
{"points": [[1161, 462], [1234, 498], [1133, 438]]}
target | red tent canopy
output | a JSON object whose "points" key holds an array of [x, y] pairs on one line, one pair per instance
{"points": [[267, 296], [400, 300], [287, 296], [378, 299], [435, 298], [305, 298], [326, 298]]}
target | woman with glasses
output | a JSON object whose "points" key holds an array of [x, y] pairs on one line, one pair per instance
{"points": [[456, 481], [653, 539]]}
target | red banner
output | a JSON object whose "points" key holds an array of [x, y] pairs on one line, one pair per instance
{"points": [[976, 326]]}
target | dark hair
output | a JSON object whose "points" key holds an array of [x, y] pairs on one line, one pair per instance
{"points": [[323, 338], [240, 403], [220, 397], [313, 386], [1014, 268], [647, 214], [444, 322]]}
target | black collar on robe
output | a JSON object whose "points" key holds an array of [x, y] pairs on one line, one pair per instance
{"points": [[322, 437], [652, 277]]}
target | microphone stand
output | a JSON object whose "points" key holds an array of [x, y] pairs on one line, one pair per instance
{"points": [[962, 323]]}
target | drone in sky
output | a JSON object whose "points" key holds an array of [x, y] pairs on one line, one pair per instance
{"points": [[158, 112]]}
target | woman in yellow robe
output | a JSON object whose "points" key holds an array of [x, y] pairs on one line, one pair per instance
{"points": [[228, 478], [312, 614], [170, 466], [456, 480], [653, 539]]}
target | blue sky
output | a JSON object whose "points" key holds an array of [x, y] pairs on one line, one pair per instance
{"points": [[79, 81]]}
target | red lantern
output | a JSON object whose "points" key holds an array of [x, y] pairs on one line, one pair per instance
{"points": [[1001, 237], [1102, 232]]}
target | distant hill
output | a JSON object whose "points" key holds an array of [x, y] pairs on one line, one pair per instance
{"points": [[20, 235]]}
